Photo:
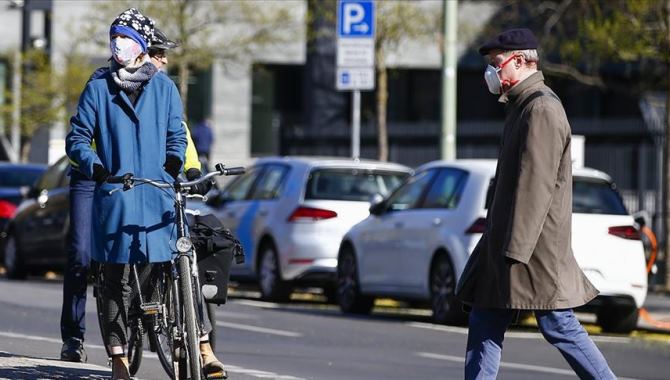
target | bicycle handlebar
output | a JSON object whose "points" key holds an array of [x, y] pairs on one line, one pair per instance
{"points": [[128, 179]]}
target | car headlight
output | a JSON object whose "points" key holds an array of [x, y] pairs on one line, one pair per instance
{"points": [[184, 244]]}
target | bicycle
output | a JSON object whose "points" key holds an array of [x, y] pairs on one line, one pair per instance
{"points": [[172, 317]]}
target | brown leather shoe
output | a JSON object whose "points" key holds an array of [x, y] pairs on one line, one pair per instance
{"points": [[211, 366], [120, 368]]}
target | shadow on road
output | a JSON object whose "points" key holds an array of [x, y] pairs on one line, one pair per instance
{"points": [[29, 368]]}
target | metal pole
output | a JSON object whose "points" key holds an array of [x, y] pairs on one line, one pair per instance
{"points": [[356, 125], [16, 110], [449, 67]]}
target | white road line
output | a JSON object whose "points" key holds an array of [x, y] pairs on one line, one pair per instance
{"points": [[261, 304], [151, 355], [525, 367], [258, 329], [515, 334]]}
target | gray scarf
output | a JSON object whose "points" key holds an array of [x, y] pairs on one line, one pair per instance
{"points": [[131, 79]]}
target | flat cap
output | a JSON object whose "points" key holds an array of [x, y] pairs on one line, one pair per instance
{"points": [[512, 39]]}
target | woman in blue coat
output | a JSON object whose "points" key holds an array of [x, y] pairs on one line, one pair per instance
{"points": [[134, 113]]}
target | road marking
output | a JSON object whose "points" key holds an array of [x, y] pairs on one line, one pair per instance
{"points": [[525, 367], [151, 355], [515, 334], [258, 329], [261, 304]]}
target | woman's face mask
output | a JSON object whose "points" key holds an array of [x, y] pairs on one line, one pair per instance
{"points": [[493, 79], [124, 50]]}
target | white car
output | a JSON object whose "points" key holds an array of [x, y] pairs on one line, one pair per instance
{"points": [[290, 214], [416, 242]]}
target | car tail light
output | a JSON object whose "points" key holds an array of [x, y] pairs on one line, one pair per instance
{"points": [[478, 227], [625, 232], [7, 209], [310, 213]]}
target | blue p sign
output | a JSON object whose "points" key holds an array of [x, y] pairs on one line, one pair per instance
{"points": [[355, 18]]}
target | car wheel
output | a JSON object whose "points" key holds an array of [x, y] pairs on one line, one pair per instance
{"points": [[13, 260], [273, 288], [619, 320], [349, 294], [446, 308]]}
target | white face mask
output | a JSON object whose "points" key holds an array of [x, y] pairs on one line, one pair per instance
{"points": [[124, 50], [493, 80]]}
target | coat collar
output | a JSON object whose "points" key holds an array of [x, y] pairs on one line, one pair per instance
{"points": [[521, 91], [122, 98]]}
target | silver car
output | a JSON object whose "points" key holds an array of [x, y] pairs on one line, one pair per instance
{"points": [[290, 214]]}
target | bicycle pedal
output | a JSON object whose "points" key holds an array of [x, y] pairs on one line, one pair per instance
{"points": [[151, 308]]}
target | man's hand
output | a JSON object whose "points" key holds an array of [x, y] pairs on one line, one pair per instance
{"points": [[201, 188], [100, 174]]}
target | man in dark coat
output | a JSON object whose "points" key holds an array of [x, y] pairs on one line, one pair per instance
{"points": [[524, 260]]}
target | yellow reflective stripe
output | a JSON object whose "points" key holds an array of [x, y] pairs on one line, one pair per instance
{"points": [[191, 160]]}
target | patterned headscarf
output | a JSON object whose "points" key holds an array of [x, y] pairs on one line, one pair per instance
{"points": [[132, 23]]}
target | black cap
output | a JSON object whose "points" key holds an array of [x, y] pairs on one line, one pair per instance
{"points": [[160, 41], [512, 39]]}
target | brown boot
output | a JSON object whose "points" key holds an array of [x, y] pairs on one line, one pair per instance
{"points": [[211, 366], [120, 368]]}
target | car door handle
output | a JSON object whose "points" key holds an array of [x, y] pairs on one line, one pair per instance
{"points": [[263, 213], [231, 214], [437, 222], [399, 224]]}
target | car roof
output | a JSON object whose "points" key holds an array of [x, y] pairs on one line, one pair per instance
{"points": [[324, 161], [488, 167]]}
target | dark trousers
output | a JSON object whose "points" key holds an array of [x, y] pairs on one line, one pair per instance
{"points": [[559, 327], [118, 295], [72, 322]]}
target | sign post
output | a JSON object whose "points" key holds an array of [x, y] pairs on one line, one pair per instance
{"points": [[355, 57]]}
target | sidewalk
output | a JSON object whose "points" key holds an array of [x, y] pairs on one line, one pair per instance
{"points": [[17, 367]]}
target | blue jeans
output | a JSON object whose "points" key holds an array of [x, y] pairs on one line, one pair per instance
{"points": [[72, 321], [559, 327]]}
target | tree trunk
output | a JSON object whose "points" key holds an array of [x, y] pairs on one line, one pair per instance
{"points": [[184, 73], [382, 100]]}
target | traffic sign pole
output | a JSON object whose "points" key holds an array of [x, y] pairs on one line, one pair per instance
{"points": [[356, 125]]}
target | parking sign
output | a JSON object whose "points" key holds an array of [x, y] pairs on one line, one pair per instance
{"points": [[355, 44], [356, 19]]}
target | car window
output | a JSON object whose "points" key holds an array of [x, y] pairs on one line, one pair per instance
{"points": [[270, 183], [18, 176], [594, 196], [409, 195], [447, 189], [52, 177], [239, 188], [351, 184]]}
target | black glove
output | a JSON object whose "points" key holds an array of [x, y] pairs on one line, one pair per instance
{"points": [[100, 174], [201, 188], [172, 166]]}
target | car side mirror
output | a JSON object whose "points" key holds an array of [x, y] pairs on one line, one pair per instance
{"points": [[216, 199], [377, 205]]}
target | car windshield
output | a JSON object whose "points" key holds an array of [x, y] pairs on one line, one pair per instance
{"points": [[351, 184], [15, 177], [593, 196], [589, 196]]}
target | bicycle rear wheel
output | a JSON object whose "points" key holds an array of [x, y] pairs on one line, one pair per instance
{"points": [[98, 284], [192, 338]]}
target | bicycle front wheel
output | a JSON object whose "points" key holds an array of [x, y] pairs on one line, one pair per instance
{"points": [[162, 330], [190, 318]]}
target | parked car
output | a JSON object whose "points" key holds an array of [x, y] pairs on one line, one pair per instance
{"points": [[416, 242], [36, 235], [290, 214], [15, 180]]}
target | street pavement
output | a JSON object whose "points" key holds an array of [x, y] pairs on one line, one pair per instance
{"points": [[307, 339]]}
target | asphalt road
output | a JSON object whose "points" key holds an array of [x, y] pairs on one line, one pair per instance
{"points": [[304, 340]]}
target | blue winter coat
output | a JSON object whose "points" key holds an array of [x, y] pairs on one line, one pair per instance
{"points": [[137, 225]]}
